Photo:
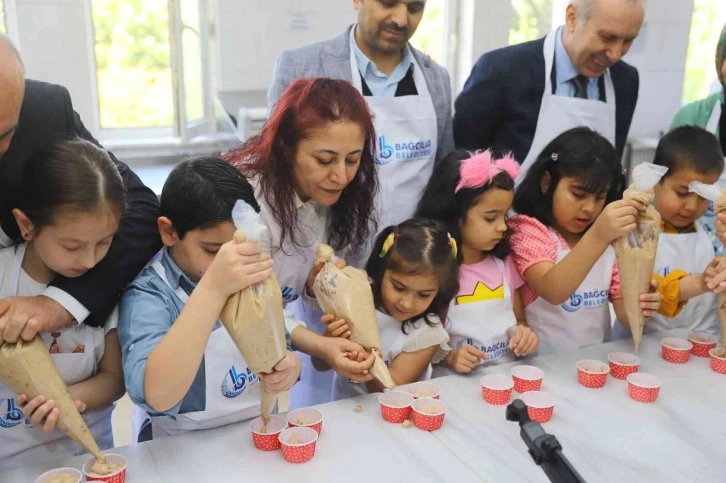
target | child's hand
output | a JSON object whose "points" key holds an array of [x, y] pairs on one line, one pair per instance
{"points": [[650, 302], [340, 263], [284, 376], [714, 277], [43, 414], [335, 327], [348, 359], [236, 267], [524, 342], [617, 220], [464, 360]]}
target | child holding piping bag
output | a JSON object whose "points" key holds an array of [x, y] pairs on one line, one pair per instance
{"points": [[68, 211], [684, 262], [413, 277], [568, 214], [486, 321], [181, 365]]}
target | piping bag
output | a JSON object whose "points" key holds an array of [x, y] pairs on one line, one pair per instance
{"points": [[635, 253], [253, 317], [346, 293]]}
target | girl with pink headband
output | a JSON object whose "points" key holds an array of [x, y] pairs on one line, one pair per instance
{"points": [[473, 193]]}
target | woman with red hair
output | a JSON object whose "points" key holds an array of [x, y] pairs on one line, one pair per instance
{"points": [[314, 173]]}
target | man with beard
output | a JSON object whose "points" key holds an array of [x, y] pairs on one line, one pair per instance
{"points": [[408, 93], [409, 96], [519, 98]]}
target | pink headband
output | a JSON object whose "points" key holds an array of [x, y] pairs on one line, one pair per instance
{"points": [[481, 168]]}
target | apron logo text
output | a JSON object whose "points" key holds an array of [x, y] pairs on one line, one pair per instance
{"points": [[411, 150], [493, 352], [595, 298], [235, 383]]}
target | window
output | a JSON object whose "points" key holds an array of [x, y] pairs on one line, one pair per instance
{"points": [[701, 79], [3, 28], [150, 68], [430, 34], [133, 64], [531, 20]]}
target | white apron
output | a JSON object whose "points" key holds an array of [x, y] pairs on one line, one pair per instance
{"points": [[691, 253], [582, 321], [232, 390], [486, 325], [559, 113], [392, 341], [292, 265], [314, 386], [407, 138], [20, 442]]}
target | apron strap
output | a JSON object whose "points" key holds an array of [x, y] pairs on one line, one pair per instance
{"points": [[17, 267], [178, 291], [505, 282]]}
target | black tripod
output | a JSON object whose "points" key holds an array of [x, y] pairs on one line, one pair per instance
{"points": [[544, 448]]}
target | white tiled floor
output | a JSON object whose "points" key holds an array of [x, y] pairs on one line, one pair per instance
{"points": [[121, 422]]}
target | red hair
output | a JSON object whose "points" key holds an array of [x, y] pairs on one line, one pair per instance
{"points": [[308, 105]]}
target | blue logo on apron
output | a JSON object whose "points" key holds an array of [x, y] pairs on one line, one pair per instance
{"points": [[288, 294], [493, 352], [235, 383], [574, 304], [385, 152], [11, 416]]}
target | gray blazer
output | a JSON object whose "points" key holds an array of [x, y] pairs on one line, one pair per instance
{"points": [[331, 58]]}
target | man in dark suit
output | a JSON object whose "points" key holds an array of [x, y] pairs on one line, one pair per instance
{"points": [[520, 98], [32, 115]]}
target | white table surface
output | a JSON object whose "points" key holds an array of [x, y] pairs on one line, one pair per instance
{"points": [[607, 436]]}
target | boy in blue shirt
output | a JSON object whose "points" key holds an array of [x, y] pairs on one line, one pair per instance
{"points": [[180, 365]]}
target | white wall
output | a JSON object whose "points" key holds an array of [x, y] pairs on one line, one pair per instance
{"points": [[253, 32], [660, 56], [55, 45]]}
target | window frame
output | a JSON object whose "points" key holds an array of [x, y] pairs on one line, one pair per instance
{"points": [[180, 130], [10, 10]]}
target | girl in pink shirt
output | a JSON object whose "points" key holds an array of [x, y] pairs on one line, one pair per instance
{"points": [[567, 218], [486, 322]]}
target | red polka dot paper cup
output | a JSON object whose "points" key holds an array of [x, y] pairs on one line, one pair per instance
{"points": [[623, 364], [496, 389], [428, 413], [306, 417], [677, 351], [540, 405], [269, 440], [702, 343], [395, 406], [298, 444], [48, 476], [643, 387], [718, 360], [424, 389], [527, 378], [592, 374], [117, 477]]}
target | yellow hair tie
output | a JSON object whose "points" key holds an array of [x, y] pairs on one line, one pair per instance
{"points": [[452, 244], [388, 244]]}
